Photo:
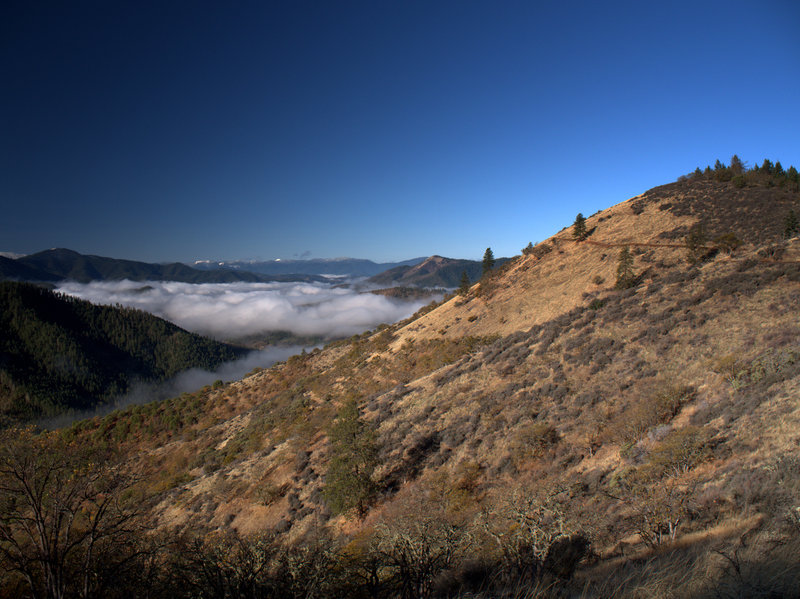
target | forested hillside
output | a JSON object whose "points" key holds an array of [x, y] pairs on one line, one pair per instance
{"points": [[59, 353]]}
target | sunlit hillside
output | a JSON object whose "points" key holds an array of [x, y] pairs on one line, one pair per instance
{"points": [[613, 413]]}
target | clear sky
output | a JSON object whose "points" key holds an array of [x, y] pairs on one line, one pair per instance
{"points": [[380, 129]]}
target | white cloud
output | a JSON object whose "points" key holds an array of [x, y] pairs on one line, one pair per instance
{"points": [[234, 310]]}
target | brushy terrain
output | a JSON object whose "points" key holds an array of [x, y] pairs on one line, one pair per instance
{"points": [[575, 425]]}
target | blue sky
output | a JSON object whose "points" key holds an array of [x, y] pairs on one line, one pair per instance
{"points": [[387, 130]]}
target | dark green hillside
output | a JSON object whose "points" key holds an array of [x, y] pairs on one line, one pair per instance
{"points": [[14, 270], [63, 264], [59, 353]]}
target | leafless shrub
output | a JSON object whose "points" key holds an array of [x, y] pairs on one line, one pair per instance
{"points": [[526, 528], [416, 551]]}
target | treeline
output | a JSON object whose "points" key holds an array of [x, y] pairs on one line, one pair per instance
{"points": [[768, 174], [59, 353]]}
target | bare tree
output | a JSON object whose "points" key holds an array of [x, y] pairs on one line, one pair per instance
{"points": [[417, 550], [659, 510], [528, 527], [64, 528]]}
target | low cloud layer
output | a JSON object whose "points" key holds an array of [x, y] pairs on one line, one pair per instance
{"points": [[235, 310]]}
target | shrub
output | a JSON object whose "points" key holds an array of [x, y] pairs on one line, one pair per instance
{"points": [[728, 242], [542, 249], [597, 303], [680, 451], [534, 439], [650, 411]]}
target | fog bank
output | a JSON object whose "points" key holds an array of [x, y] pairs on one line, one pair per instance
{"points": [[234, 310]]}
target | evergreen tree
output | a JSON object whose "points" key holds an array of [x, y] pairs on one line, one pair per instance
{"points": [[348, 482], [579, 227], [463, 289], [695, 249], [488, 260], [737, 166], [625, 276], [766, 166], [790, 225], [721, 172]]}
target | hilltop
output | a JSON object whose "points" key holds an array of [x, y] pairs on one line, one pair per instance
{"points": [[435, 271], [557, 430]]}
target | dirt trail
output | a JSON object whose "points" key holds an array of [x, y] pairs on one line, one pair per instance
{"points": [[608, 244]]}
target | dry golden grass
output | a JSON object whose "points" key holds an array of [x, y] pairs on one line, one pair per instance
{"points": [[563, 395]]}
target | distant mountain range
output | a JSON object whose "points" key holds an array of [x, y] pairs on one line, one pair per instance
{"points": [[60, 264], [351, 267], [63, 264]]}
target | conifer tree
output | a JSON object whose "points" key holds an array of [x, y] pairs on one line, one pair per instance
{"points": [[348, 482], [722, 172], [488, 260], [579, 227], [463, 288], [737, 166], [625, 276]]}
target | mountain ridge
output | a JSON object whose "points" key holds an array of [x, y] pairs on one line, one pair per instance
{"points": [[351, 267], [60, 264]]}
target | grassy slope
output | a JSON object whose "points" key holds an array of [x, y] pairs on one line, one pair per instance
{"points": [[543, 376]]}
